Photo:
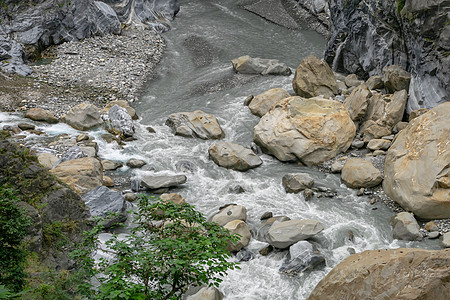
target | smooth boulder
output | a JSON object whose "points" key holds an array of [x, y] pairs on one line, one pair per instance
{"points": [[195, 124], [405, 227], [313, 77], [83, 117], [303, 256], [255, 65], [241, 228], [404, 273], [360, 173], [82, 174], [309, 130], [229, 213], [295, 183], [42, 115], [284, 234], [233, 156], [417, 173], [156, 182], [261, 104]]}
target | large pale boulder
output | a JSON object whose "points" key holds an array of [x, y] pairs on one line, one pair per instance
{"points": [[309, 130], [388, 274], [233, 156], [255, 65], [417, 168], [42, 115], [83, 116], [229, 213], [241, 228], [195, 124], [261, 104], [82, 174], [356, 103], [358, 173], [283, 234], [314, 77]]}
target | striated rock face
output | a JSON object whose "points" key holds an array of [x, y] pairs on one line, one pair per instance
{"points": [[309, 130], [369, 35], [388, 274], [417, 169], [28, 27]]}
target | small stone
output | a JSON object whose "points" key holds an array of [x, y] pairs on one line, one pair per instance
{"points": [[446, 240], [431, 226], [360, 192], [358, 144], [107, 181], [266, 215], [109, 165], [130, 197], [150, 129], [82, 137], [379, 152], [308, 194], [266, 250], [372, 201], [26, 126], [248, 100], [136, 163], [433, 235]]}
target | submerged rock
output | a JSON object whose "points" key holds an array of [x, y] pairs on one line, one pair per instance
{"points": [[396, 273], [302, 256], [248, 65], [309, 130], [233, 156]]}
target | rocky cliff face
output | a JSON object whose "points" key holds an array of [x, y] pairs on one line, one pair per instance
{"points": [[27, 27], [415, 34]]}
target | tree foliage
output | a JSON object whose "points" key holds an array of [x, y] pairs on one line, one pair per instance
{"points": [[171, 247]]}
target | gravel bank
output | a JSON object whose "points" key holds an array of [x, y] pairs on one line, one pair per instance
{"points": [[95, 70]]}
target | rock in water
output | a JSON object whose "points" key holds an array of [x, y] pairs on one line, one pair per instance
{"points": [[395, 274], [120, 121], [229, 213], [122, 103], [314, 77], [83, 117], [157, 182], [195, 124], [39, 114], [360, 173], [233, 156], [295, 183], [102, 201], [284, 234], [248, 65], [261, 104], [417, 168], [302, 256], [241, 228], [204, 293], [405, 227], [309, 130]]}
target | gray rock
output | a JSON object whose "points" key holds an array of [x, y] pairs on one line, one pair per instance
{"points": [[26, 126], [357, 102], [195, 124], [266, 215], [102, 201], [433, 235], [130, 197], [295, 183], [83, 116], [158, 182], [303, 256], [379, 144], [109, 165], [352, 80], [266, 224], [358, 144], [244, 255], [248, 65], [375, 82], [405, 227], [240, 228], [446, 240], [120, 121], [229, 213], [74, 152], [204, 293], [136, 163], [284, 234], [42, 115], [233, 156]]}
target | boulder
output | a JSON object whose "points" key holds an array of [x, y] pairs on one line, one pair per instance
{"points": [[404, 273], [415, 113], [352, 81], [249, 65], [73, 152], [375, 82], [48, 160], [173, 197], [82, 174], [102, 201], [446, 240], [205, 293], [360, 173], [229, 213], [309, 130], [135, 163], [295, 183], [261, 104], [195, 124], [241, 228], [314, 77], [122, 103], [83, 117], [107, 181], [302, 256], [284, 234], [233, 156], [156, 182], [263, 229], [405, 227], [395, 78], [378, 144], [26, 126], [120, 122], [417, 165], [42, 115], [357, 102], [109, 165]]}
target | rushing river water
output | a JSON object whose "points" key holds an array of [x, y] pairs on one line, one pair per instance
{"points": [[196, 73]]}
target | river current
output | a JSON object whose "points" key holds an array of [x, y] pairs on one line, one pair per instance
{"points": [[196, 74]]}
